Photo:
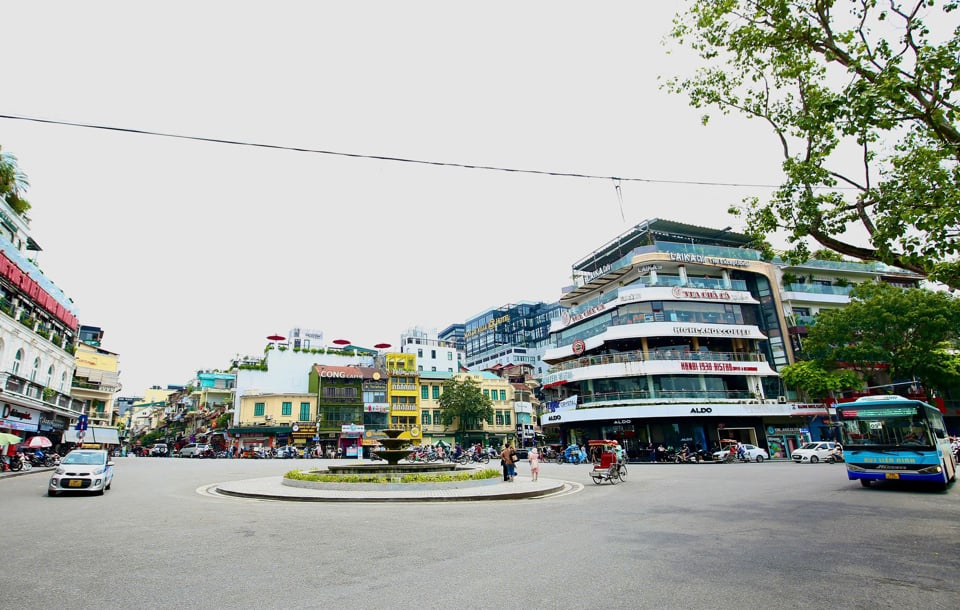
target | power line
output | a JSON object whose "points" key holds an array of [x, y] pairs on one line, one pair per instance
{"points": [[492, 168]]}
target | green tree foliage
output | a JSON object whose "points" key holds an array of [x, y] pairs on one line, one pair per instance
{"points": [[908, 330], [863, 80], [816, 382], [464, 401], [12, 183]]}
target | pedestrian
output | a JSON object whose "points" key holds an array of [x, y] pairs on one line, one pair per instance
{"points": [[533, 456], [506, 461], [339, 452], [233, 452]]}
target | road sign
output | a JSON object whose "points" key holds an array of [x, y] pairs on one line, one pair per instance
{"points": [[82, 422]]}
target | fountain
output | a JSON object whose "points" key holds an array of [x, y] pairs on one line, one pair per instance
{"points": [[395, 450]]}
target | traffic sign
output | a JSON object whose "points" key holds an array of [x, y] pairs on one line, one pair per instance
{"points": [[82, 422]]}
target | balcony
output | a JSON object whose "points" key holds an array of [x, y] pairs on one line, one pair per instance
{"points": [[604, 399], [40, 393], [652, 355], [806, 288]]}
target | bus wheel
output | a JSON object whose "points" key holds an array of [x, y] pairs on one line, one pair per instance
{"points": [[864, 482]]}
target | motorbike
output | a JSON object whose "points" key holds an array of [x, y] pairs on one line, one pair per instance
{"points": [[40, 460], [18, 461], [686, 458], [834, 457]]}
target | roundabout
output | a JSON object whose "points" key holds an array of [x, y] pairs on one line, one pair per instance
{"points": [[274, 488]]}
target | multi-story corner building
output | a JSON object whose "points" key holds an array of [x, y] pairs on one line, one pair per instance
{"points": [[96, 379], [403, 386], [494, 431], [673, 335], [516, 333], [433, 354], [814, 286], [38, 327]]}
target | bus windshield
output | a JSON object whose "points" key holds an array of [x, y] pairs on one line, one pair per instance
{"points": [[900, 426]]}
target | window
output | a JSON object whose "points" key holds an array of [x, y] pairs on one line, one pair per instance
{"points": [[436, 392], [449, 355], [425, 417], [503, 394], [419, 353], [436, 416], [499, 418], [433, 354], [63, 381], [36, 369], [486, 393], [506, 418], [424, 392], [304, 411], [287, 409], [49, 382], [258, 409], [16, 362]]}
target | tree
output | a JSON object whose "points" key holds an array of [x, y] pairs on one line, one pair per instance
{"points": [[873, 83], [815, 381], [12, 183], [906, 330], [463, 401]]}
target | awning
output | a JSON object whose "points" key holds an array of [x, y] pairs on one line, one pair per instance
{"points": [[260, 430], [94, 434]]}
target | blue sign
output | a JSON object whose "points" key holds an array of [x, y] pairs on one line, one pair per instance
{"points": [[82, 422]]}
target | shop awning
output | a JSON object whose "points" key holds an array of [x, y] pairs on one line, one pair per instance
{"points": [[260, 430]]}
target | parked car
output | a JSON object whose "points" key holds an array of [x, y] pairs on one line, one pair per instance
{"points": [[159, 450], [811, 453], [752, 452], [288, 452], [192, 450], [82, 470]]}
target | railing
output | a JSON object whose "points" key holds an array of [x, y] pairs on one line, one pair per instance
{"points": [[607, 397], [818, 289], [662, 354]]}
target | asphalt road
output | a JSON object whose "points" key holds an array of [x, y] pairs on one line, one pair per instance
{"points": [[705, 536]]}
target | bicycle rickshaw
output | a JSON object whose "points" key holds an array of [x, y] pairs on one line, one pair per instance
{"points": [[609, 469]]}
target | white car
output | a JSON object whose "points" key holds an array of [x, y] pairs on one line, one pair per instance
{"points": [[811, 453], [193, 450], [752, 452], [82, 470]]}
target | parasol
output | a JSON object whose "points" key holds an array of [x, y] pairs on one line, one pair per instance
{"points": [[9, 439], [341, 341], [275, 338], [38, 442]]}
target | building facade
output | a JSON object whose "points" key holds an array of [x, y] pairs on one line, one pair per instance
{"points": [[673, 334], [517, 333], [38, 329]]}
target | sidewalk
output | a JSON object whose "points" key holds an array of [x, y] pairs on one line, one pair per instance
{"points": [[9, 474]]}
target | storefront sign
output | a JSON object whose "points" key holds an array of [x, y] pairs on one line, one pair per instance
{"points": [[681, 257], [715, 367], [489, 326], [352, 429], [19, 418], [376, 407], [724, 330], [680, 292], [697, 410]]}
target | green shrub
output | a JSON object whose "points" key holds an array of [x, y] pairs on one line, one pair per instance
{"points": [[477, 475]]}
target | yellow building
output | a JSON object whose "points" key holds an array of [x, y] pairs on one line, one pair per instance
{"points": [[499, 428], [274, 420], [95, 382], [403, 383]]}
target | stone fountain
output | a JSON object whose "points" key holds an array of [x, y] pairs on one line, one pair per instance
{"points": [[395, 449]]}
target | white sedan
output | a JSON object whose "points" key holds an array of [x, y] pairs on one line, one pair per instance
{"points": [[811, 453], [751, 452], [82, 470]]}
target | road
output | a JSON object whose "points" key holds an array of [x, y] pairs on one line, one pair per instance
{"points": [[673, 536]]}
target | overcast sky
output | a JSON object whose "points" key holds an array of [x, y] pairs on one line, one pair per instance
{"points": [[188, 253]]}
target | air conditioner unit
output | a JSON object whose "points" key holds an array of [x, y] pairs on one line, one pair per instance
{"points": [[782, 399], [268, 417]]}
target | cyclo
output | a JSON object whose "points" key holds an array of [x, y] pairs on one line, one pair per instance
{"points": [[609, 468]]}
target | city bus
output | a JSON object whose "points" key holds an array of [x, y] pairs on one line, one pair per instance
{"points": [[892, 438]]}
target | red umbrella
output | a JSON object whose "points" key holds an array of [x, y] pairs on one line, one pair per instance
{"points": [[341, 342], [37, 442], [275, 338], [382, 345]]}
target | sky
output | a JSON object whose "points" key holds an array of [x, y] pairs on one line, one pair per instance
{"points": [[188, 253]]}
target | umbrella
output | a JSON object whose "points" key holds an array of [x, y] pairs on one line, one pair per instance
{"points": [[38, 442], [341, 341], [276, 338], [9, 439]]}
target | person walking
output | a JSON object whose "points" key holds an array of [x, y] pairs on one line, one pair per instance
{"points": [[533, 456], [506, 459]]}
